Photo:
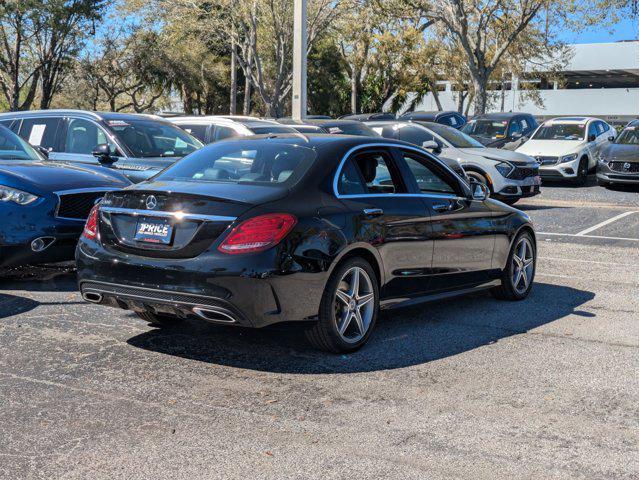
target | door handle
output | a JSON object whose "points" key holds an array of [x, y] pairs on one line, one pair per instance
{"points": [[373, 212], [442, 207]]}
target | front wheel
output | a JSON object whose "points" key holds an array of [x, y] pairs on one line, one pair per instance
{"points": [[348, 310], [517, 278], [582, 173]]}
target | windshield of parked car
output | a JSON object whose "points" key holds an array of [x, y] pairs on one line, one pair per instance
{"points": [[12, 147], [560, 131], [358, 129], [628, 136], [454, 137], [243, 162], [150, 138], [486, 128]]}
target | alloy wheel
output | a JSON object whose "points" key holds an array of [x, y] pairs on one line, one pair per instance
{"points": [[523, 265], [354, 305]]}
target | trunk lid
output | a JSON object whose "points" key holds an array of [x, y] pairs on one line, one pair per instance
{"points": [[188, 217]]}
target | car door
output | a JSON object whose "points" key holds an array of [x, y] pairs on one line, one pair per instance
{"points": [[463, 229], [79, 137], [383, 215]]}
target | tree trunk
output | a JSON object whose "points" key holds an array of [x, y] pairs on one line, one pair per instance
{"points": [[233, 99], [246, 108], [354, 91], [480, 85]]}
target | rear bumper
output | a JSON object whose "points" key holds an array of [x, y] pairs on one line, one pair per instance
{"points": [[252, 290]]}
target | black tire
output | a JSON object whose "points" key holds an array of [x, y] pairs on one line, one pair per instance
{"points": [[603, 183], [582, 173], [507, 291], [324, 334], [159, 319]]}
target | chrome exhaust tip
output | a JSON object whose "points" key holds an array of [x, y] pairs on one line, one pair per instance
{"points": [[210, 315], [42, 243], [92, 297]]}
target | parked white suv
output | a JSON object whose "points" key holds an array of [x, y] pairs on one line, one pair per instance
{"points": [[509, 175], [568, 147]]}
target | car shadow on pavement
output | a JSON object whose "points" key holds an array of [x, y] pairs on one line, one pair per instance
{"points": [[403, 337], [39, 279]]}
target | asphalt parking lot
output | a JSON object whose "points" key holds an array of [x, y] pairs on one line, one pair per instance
{"points": [[471, 388]]}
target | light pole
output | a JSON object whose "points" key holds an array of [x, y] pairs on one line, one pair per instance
{"points": [[299, 60]]}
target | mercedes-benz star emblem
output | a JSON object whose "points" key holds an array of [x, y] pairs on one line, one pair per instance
{"points": [[626, 166], [151, 202]]}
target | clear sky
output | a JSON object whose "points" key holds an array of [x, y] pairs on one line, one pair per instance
{"points": [[625, 30]]}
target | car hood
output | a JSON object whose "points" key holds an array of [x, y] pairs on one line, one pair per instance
{"points": [[47, 176], [516, 158], [621, 153], [551, 148]]}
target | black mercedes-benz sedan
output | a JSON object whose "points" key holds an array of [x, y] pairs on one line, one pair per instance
{"points": [[325, 229], [43, 203], [619, 161]]}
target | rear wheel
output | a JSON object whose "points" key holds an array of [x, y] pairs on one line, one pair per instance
{"points": [[348, 310], [517, 278], [159, 319]]}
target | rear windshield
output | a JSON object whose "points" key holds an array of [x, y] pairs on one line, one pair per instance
{"points": [[351, 129], [261, 163], [271, 129], [560, 131]]}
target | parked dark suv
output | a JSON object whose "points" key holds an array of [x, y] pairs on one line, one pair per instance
{"points": [[137, 145], [448, 118], [498, 129]]}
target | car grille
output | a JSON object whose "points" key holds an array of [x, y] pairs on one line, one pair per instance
{"points": [[621, 167], [77, 205], [547, 160], [519, 173]]}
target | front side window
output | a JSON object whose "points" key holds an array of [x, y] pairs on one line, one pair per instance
{"points": [[369, 173], [243, 163], [628, 136], [222, 132], [41, 132], [198, 130], [150, 138], [427, 179], [415, 135], [83, 136], [560, 131]]}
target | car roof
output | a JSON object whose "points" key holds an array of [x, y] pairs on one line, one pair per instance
{"points": [[223, 119], [82, 113], [577, 120], [431, 114], [368, 116]]}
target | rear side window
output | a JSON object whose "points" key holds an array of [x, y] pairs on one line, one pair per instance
{"points": [[41, 132], [197, 130], [258, 163], [369, 173]]}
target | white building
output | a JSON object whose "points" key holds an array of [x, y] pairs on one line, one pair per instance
{"points": [[600, 79]]}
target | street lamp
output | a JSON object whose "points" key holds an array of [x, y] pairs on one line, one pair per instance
{"points": [[299, 59]]}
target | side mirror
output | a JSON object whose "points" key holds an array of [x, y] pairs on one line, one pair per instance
{"points": [[42, 150], [592, 138], [103, 153], [432, 145], [479, 191], [517, 135]]}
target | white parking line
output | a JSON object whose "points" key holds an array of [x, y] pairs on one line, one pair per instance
{"points": [[588, 236], [574, 260], [585, 232]]}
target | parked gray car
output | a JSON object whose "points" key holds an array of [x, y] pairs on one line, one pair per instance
{"points": [[137, 145]]}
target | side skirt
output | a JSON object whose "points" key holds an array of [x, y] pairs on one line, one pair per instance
{"points": [[406, 302]]}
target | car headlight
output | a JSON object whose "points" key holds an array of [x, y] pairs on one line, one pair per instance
{"points": [[8, 194], [504, 168], [568, 158]]}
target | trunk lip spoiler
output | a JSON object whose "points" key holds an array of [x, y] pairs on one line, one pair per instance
{"points": [[159, 213]]}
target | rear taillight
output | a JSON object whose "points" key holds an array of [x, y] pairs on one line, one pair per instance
{"points": [[91, 227], [258, 233]]}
